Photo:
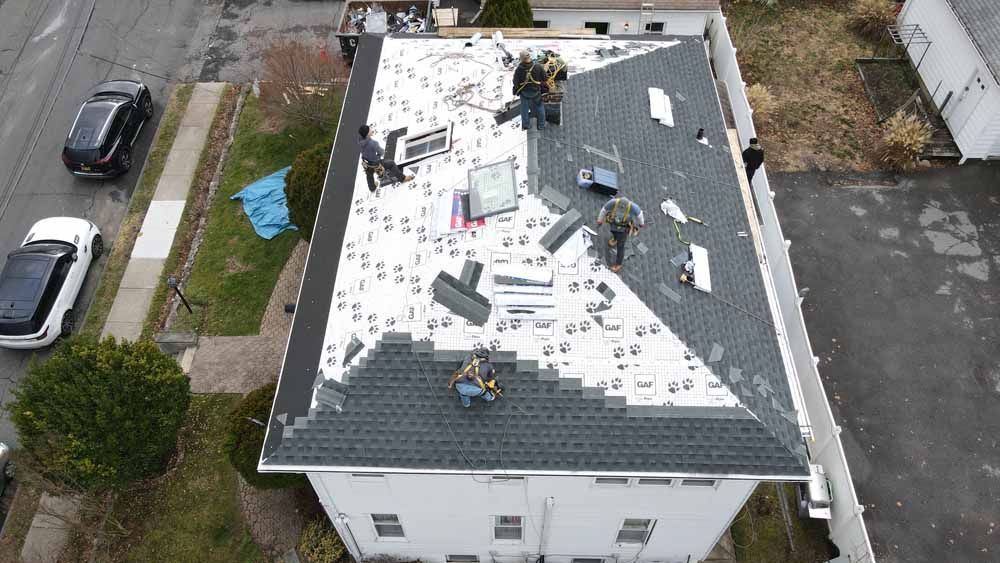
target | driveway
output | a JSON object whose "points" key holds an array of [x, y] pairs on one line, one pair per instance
{"points": [[903, 310]]}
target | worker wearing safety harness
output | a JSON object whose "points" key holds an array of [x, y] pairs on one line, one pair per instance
{"points": [[476, 378], [373, 162], [528, 79], [624, 217]]}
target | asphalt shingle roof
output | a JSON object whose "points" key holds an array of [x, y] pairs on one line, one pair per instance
{"points": [[981, 19], [391, 418]]}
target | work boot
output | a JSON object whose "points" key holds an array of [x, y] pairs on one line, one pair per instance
{"points": [[616, 268]]}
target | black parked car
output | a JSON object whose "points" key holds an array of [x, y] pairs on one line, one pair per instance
{"points": [[99, 144]]}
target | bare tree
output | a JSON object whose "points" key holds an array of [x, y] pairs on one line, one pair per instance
{"points": [[299, 82]]}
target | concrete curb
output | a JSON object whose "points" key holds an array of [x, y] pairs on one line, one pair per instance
{"points": [[156, 236]]}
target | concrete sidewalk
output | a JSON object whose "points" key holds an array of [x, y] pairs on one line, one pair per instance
{"points": [[145, 267]]}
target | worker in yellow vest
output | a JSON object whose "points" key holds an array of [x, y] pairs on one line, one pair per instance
{"points": [[625, 218]]}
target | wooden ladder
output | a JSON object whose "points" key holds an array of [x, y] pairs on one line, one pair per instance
{"points": [[646, 12]]}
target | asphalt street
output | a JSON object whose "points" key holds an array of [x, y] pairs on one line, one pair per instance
{"points": [[51, 53], [903, 310]]}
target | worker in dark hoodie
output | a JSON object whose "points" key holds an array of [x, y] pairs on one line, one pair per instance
{"points": [[372, 158], [528, 79], [753, 158]]}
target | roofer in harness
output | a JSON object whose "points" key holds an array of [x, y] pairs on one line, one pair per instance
{"points": [[625, 218], [476, 378], [528, 80], [373, 162]]}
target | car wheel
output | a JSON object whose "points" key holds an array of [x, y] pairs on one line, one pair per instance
{"points": [[147, 106], [66, 327], [124, 159], [96, 246]]}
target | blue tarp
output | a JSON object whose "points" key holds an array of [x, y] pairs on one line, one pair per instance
{"points": [[265, 204]]}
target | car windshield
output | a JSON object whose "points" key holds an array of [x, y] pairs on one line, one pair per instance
{"points": [[86, 133]]}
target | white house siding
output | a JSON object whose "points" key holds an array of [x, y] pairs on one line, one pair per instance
{"points": [[449, 514], [674, 23], [951, 61]]}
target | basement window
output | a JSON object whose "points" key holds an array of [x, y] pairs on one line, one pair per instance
{"points": [[655, 482], [461, 558], [540, 24], [586, 560], [601, 28], [698, 483], [423, 144], [612, 481]]}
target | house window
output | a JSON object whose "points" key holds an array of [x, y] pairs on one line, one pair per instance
{"points": [[423, 144], [614, 481], [387, 526], [507, 528], [634, 530], [600, 27], [655, 481], [698, 483], [461, 558], [368, 477], [654, 27], [540, 24], [586, 560], [504, 480]]}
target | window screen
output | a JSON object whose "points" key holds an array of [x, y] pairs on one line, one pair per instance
{"points": [[507, 528], [634, 530], [654, 27], [387, 526]]}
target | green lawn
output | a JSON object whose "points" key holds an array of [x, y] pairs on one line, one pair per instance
{"points": [[193, 513], [760, 536], [121, 248], [235, 270]]}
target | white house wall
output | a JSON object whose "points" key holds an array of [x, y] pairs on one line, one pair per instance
{"points": [[674, 23], [947, 67], [449, 514]]}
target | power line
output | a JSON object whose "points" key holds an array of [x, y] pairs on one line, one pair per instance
{"points": [[146, 72]]}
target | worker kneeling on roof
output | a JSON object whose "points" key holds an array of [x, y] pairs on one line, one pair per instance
{"points": [[477, 378]]}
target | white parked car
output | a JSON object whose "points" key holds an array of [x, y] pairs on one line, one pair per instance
{"points": [[40, 281]]}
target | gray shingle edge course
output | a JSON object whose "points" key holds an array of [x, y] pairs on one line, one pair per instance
{"points": [[391, 419]]}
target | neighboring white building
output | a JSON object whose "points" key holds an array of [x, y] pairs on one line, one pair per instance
{"points": [[961, 67], [624, 17], [639, 413]]}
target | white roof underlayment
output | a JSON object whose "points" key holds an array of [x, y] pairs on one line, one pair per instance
{"points": [[390, 256]]}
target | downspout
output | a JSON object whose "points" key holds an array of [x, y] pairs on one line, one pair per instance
{"points": [[344, 521], [550, 502]]}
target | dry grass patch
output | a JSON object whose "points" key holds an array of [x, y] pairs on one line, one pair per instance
{"points": [[803, 52]]}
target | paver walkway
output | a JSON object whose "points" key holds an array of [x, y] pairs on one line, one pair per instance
{"points": [[238, 364], [145, 267]]}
